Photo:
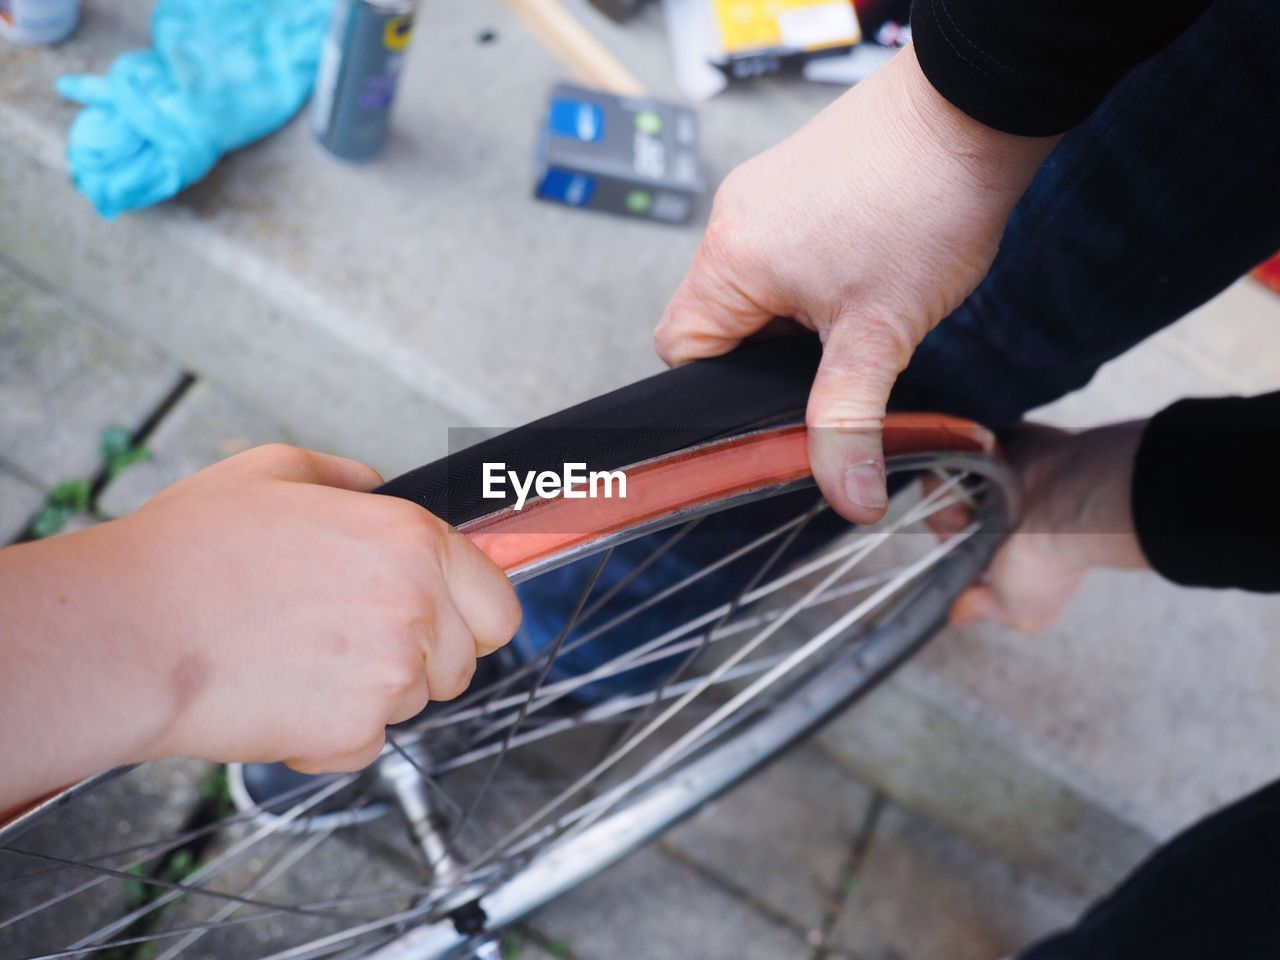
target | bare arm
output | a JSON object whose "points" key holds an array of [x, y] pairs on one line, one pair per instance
{"points": [[264, 609]]}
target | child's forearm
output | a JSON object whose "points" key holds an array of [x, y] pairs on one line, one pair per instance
{"points": [[83, 687], [264, 609]]}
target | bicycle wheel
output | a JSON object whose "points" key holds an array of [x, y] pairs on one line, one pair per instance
{"points": [[676, 640]]}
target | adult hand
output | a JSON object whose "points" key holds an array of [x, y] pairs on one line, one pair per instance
{"points": [[264, 609], [1076, 516], [868, 226]]}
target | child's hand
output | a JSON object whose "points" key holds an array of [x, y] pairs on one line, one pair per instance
{"points": [[298, 616]]}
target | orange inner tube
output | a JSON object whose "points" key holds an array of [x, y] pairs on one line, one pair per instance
{"points": [[544, 528]]}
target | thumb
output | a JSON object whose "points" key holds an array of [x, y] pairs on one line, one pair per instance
{"points": [[846, 417]]}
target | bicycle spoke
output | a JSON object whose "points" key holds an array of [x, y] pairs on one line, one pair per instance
{"points": [[815, 644], [155, 848], [177, 889], [634, 656], [433, 785], [287, 860], [525, 670], [654, 725], [631, 575], [211, 868], [514, 676], [583, 817], [533, 691], [730, 609], [626, 660], [680, 747], [150, 938], [607, 710], [868, 545], [661, 647], [318, 947], [204, 926]]}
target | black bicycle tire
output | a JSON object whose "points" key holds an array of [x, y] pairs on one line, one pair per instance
{"points": [[761, 383]]}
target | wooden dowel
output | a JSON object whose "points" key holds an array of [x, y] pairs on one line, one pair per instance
{"points": [[576, 47]]}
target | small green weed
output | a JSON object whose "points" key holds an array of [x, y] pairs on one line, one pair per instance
{"points": [[73, 498]]}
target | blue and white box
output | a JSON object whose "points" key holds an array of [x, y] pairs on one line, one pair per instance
{"points": [[635, 156]]}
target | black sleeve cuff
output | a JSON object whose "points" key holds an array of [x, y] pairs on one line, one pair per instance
{"points": [[1038, 67], [1204, 503], [962, 71]]}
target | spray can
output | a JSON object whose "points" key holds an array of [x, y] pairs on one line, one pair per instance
{"points": [[36, 23], [359, 69]]}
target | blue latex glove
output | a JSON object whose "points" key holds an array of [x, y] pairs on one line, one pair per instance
{"points": [[222, 74]]}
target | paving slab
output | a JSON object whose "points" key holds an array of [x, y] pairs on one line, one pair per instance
{"points": [[19, 501], [206, 425], [303, 869], [65, 377], [784, 837], [943, 756], [650, 907], [146, 806], [1164, 698], [371, 307], [922, 894]]}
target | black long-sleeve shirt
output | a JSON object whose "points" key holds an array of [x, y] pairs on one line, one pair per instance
{"points": [[1204, 501], [1039, 67]]}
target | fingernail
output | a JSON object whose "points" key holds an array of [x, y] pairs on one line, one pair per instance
{"points": [[864, 484]]}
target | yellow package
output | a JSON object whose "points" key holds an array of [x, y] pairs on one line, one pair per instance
{"points": [[751, 26]]}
